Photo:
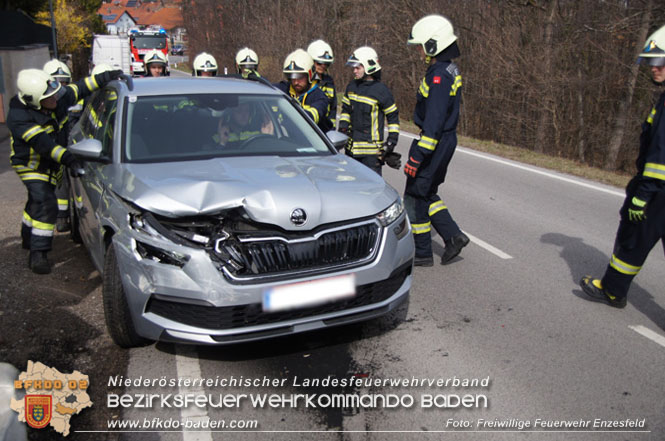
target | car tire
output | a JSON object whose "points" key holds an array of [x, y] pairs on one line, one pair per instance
{"points": [[116, 311], [75, 232]]}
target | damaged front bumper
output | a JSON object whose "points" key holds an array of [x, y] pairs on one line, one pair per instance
{"points": [[182, 293]]}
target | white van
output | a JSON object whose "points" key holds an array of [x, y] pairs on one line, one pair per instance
{"points": [[112, 50]]}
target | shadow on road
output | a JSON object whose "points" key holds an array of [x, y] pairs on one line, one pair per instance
{"points": [[583, 259]]}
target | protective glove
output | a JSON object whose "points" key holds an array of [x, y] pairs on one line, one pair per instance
{"points": [[74, 165], [411, 167], [393, 160], [636, 210], [388, 147], [107, 76]]}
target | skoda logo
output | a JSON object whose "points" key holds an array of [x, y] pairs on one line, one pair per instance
{"points": [[298, 217]]}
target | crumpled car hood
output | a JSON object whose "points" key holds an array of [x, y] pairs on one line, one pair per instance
{"points": [[329, 189]]}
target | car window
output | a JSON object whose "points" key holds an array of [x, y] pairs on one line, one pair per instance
{"points": [[106, 133], [194, 127], [90, 121]]}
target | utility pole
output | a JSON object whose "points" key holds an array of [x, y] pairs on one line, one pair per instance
{"points": [[55, 42]]}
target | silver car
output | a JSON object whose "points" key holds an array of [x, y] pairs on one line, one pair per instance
{"points": [[218, 213]]}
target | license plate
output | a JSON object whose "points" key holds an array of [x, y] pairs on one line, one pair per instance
{"points": [[306, 294]]}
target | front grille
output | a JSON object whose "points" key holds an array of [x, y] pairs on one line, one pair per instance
{"points": [[233, 317], [274, 255]]}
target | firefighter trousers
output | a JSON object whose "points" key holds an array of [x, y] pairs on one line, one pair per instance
{"points": [[423, 205], [62, 194], [39, 216], [371, 161], [427, 213], [632, 245]]}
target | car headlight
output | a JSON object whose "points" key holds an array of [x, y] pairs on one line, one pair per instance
{"points": [[144, 225], [140, 223], [156, 254], [390, 214]]}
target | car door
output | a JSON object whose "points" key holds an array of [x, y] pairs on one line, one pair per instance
{"points": [[99, 123]]}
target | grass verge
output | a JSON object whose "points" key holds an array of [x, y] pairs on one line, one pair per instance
{"points": [[554, 163]]}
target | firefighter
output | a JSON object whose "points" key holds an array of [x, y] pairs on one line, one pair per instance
{"points": [[241, 123], [642, 222], [323, 57], [36, 154], [299, 72], [366, 103], [247, 62], [436, 114], [204, 65], [155, 63], [60, 71]]}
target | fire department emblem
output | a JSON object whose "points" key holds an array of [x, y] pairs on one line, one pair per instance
{"points": [[38, 410]]}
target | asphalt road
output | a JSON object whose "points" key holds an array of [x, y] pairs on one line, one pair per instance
{"points": [[507, 310]]}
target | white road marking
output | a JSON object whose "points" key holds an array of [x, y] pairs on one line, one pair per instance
{"points": [[481, 243], [648, 333], [530, 169], [187, 366]]}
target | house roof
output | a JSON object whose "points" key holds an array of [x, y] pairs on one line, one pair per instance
{"points": [[168, 16]]}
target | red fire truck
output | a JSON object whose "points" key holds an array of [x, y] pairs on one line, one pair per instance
{"points": [[143, 41]]}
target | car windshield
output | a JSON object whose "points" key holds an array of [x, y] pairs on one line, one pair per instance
{"points": [[149, 42], [202, 126]]}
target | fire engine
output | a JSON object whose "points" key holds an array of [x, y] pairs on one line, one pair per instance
{"points": [[143, 41]]}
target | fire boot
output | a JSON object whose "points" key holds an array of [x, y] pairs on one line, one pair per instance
{"points": [[62, 225], [39, 263], [453, 247]]}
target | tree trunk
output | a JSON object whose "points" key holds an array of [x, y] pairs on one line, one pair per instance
{"points": [[548, 100], [619, 129], [581, 147]]}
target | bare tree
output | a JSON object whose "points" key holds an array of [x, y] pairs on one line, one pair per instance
{"points": [[556, 76]]}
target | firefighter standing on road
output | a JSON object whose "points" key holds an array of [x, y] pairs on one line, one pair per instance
{"points": [[299, 72], [365, 104], [642, 222], [323, 57], [436, 113], [36, 154], [60, 71]]}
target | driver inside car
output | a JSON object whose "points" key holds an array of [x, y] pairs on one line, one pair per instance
{"points": [[242, 123]]}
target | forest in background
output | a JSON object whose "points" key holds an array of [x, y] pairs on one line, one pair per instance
{"points": [[554, 76]]}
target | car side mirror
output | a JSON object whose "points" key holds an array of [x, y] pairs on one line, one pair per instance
{"points": [[338, 139], [89, 149]]}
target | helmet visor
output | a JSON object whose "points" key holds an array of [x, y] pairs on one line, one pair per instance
{"points": [[652, 61], [295, 75], [60, 73], [53, 87]]}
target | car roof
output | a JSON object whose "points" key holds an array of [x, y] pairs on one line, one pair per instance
{"points": [[195, 85]]}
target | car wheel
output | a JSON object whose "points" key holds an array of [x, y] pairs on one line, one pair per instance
{"points": [[116, 311], [75, 232]]}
